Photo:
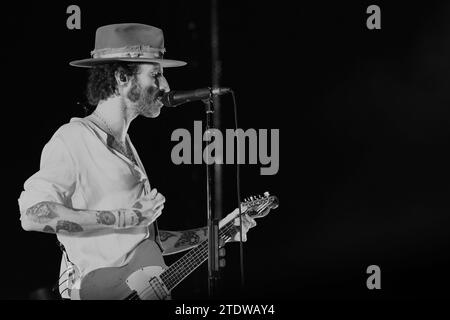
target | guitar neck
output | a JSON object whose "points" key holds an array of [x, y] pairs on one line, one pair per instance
{"points": [[179, 270]]}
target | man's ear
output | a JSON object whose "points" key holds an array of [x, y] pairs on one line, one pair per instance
{"points": [[121, 77]]}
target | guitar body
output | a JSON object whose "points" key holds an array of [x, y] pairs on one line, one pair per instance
{"points": [[138, 279]]}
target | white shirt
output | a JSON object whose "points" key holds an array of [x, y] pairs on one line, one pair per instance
{"points": [[80, 170]]}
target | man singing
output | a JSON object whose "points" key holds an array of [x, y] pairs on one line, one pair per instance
{"points": [[92, 190]]}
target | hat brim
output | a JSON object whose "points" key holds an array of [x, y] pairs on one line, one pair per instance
{"points": [[89, 63]]}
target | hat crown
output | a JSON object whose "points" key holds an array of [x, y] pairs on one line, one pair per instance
{"points": [[128, 34]]}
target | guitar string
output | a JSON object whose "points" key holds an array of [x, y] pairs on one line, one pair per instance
{"points": [[178, 276], [173, 274], [199, 255]]}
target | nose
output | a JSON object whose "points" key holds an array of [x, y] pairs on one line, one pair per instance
{"points": [[162, 84]]}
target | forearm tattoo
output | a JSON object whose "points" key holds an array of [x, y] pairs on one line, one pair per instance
{"points": [[68, 226], [48, 229], [188, 238], [137, 205], [106, 218], [126, 218], [139, 216], [54, 221], [164, 235], [42, 212], [45, 213]]}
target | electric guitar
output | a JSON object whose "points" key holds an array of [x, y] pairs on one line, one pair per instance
{"points": [[147, 278]]}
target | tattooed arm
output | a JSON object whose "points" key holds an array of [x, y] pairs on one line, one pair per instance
{"points": [[177, 241], [52, 217]]}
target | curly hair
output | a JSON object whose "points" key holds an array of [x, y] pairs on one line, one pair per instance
{"points": [[102, 82]]}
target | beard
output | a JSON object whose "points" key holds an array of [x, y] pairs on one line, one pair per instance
{"points": [[145, 100]]}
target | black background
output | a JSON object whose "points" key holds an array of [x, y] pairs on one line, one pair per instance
{"points": [[364, 119]]}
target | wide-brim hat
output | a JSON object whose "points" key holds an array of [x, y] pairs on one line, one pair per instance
{"points": [[130, 42]]}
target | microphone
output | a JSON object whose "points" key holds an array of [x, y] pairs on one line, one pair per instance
{"points": [[175, 98]]}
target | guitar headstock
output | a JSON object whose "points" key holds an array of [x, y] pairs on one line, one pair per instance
{"points": [[259, 206]]}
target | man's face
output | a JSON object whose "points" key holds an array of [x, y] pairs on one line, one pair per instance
{"points": [[146, 87]]}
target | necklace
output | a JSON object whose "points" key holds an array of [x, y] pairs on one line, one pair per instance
{"points": [[122, 146]]}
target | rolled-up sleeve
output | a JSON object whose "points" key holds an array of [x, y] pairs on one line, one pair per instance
{"points": [[55, 181]]}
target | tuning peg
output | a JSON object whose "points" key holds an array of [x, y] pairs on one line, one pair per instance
{"points": [[266, 194]]}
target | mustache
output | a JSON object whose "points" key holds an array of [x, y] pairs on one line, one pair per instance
{"points": [[155, 92], [159, 94], [153, 95]]}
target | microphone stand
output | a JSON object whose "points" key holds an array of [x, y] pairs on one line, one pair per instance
{"points": [[213, 220]]}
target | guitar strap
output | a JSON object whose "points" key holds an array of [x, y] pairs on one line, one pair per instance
{"points": [[71, 271], [156, 235]]}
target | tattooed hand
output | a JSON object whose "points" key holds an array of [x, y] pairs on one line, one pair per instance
{"points": [[149, 207]]}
